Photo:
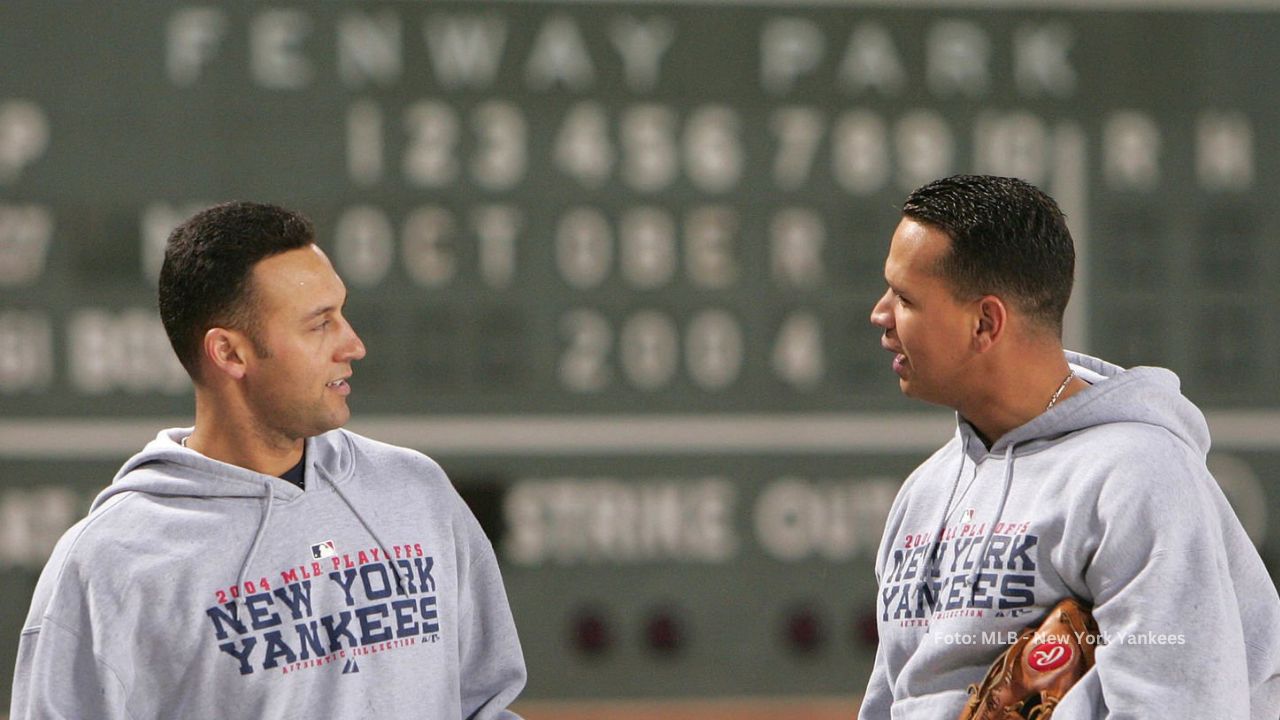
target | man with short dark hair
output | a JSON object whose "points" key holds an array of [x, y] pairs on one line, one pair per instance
{"points": [[267, 563], [1067, 477]]}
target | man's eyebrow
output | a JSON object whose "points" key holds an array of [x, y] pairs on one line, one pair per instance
{"points": [[319, 311], [326, 309]]}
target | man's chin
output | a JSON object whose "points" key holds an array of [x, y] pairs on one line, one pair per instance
{"points": [[904, 384], [915, 392], [924, 396], [334, 421], [339, 421]]}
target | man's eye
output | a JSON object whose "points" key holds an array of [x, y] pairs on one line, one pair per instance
{"points": [[322, 325]]}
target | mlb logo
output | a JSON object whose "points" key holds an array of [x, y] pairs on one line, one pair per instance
{"points": [[323, 550], [968, 515]]}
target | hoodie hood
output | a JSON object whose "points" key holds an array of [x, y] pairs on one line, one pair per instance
{"points": [[164, 467], [167, 468], [1146, 395]]}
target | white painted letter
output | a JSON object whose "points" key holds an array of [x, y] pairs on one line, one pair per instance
{"points": [[465, 50], [871, 61], [560, 55], [275, 40], [191, 39], [641, 44], [958, 55], [789, 48], [369, 48]]}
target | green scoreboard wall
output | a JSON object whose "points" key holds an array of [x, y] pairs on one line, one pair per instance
{"points": [[613, 264]]}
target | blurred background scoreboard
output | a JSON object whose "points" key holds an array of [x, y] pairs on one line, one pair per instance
{"points": [[613, 263]]}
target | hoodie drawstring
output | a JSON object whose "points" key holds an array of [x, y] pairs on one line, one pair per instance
{"points": [[268, 497], [268, 502], [400, 580], [986, 540], [923, 579]]}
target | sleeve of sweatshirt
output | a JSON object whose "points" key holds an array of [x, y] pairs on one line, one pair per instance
{"points": [[877, 703], [58, 675], [492, 664], [879, 698], [1163, 594]]}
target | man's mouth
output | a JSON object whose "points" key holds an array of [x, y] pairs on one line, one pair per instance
{"points": [[339, 385], [899, 363]]}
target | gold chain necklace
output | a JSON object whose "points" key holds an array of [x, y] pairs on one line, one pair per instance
{"points": [[1056, 393]]}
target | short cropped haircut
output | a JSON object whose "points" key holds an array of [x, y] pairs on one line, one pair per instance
{"points": [[1008, 238], [208, 266]]}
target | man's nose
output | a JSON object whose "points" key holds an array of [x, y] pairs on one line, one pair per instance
{"points": [[353, 348], [881, 312]]}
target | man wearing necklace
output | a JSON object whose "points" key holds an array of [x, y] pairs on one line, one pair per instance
{"points": [[267, 563], [1067, 477]]}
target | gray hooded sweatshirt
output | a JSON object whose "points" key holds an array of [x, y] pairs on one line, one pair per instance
{"points": [[1105, 497], [198, 589]]}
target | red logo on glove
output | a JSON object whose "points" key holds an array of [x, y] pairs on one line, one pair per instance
{"points": [[1049, 656]]}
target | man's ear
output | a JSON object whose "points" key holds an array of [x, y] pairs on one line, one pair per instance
{"points": [[227, 351], [991, 321]]}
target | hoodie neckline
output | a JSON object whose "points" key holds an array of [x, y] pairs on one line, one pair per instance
{"points": [[164, 467], [167, 468], [1149, 395]]}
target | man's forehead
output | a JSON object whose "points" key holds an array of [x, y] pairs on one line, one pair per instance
{"points": [[293, 265], [917, 247], [302, 276]]}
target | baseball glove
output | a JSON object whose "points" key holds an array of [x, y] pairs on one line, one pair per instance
{"points": [[1031, 675]]}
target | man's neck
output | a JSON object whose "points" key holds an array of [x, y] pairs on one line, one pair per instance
{"points": [[1014, 389], [228, 436]]}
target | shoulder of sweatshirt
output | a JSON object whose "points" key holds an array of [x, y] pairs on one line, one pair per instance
{"points": [[410, 466], [401, 461], [397, 457], [136, 520], [1130, 469], [1146, 454], [401, 465], [69, 568]]}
